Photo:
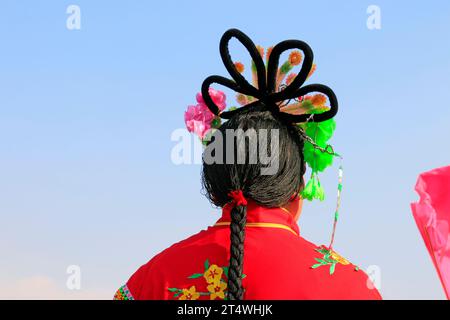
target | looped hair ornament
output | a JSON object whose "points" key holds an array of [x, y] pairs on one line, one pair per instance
{"points": [[267, 92]]}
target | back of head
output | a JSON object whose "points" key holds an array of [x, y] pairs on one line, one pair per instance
{"points": [[258, 140], [245, 135]]}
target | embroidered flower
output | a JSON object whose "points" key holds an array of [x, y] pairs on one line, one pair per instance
{"points": [[336, 256], [198, 117], [190, 294], [217, 289], [213, 274], [216, 283], [330, 258]]}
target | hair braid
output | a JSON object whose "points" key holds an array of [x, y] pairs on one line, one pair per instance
{"points": [[237, 236]]}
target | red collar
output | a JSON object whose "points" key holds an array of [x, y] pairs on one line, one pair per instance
{"points": [[260, 216]]}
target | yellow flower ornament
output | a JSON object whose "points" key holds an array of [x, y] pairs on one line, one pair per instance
{"points": [[190, 294]]}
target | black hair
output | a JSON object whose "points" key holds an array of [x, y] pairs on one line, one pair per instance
{"points": [[272, 190], [269, 190]]}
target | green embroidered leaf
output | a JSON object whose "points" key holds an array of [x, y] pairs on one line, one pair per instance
{"points": [[320, 260], [176, 295], [329, 260], [225, 270], [243, 276], [206, 264], [356, 268], [195, 276], [173, 289], [316, 266], [333, 266]]}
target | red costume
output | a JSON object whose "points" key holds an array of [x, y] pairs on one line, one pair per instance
{"points": [[278, 264]]}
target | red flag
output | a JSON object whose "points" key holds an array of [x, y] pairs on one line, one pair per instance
{"points": [[432, 215]]}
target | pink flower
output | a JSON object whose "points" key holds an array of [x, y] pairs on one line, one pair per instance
{"points": [[198, 118], [217, 96]]}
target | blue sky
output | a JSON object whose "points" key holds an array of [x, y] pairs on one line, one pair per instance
{"points": [[86, 116]]}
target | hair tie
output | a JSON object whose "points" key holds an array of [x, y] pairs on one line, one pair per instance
{"points": [[237, 197]]}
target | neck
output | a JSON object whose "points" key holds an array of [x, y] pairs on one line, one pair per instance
{"points": [[293, 207]]}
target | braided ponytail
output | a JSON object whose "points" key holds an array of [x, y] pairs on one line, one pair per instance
{"points": [[237, 236]]}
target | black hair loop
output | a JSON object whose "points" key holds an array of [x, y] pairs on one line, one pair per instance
{"points": [[266, 93]]}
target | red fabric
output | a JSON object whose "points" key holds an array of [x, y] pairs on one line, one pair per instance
{"points": [[432, 215], [277, 264], [238, 198]]}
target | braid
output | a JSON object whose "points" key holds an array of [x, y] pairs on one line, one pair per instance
{"points": [[237, 236]]}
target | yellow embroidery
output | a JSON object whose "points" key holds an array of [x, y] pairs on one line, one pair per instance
{"points": [[330, 258], [336, 256], [190, 294], [216, 279], [213, 274], [286, 210], [261, 224], [217, 289]]}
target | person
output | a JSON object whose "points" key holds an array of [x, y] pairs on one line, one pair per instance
{"points": [[255, 250]]}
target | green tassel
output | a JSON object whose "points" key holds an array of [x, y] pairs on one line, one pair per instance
{"points": [[317, 160], [313, 189]]}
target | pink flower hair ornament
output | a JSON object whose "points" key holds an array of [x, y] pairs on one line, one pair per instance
{"points": [[199, 119]]}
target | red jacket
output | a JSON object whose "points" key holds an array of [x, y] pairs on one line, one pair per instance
{"points": [[278, 264]]}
